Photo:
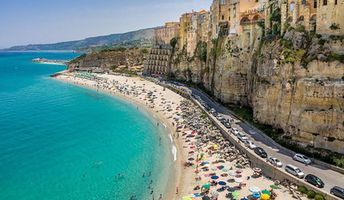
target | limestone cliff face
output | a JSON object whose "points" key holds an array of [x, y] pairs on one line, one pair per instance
{"points": [[295, 83], [107, 60], [306, 100]]}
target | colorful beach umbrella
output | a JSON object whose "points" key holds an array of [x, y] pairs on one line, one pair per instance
{"points": [[266, 192], [214, 177], [265, 196], [206, 186], [235, 194], [222, 183], [256, 195]]}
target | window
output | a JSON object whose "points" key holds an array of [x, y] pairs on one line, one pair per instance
{"points": [[223, 17], [335, 2], [325, 2], [304, 2], [315, 3]]}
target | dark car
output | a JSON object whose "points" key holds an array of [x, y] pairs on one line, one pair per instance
{"points": [[337, 191], [314, 180], [260, 152]]}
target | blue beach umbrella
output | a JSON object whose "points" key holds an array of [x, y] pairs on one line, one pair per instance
{"points": [[222, 183], [214, 177], [256, 195]]}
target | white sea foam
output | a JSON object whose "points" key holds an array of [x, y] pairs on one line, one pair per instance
{"points": [[174, 152], [170, 136]]}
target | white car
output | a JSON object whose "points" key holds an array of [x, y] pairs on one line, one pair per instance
{"points": [[235, 131], [242, 137], [250, 144], [275, 162], [302, 158], [294, 171]]}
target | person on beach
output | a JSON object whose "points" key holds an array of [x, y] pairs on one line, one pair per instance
{"points": [[177, 190]]}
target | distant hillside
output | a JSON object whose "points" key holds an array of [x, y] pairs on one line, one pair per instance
{"points": [[142, 37]]}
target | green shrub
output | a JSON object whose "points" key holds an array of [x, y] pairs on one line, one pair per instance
{"points": [[319, 197], [174, 42], [302, 189], [311, 194]]}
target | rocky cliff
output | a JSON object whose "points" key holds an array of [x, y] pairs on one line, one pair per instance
{"points": [[293, 82], [107, 60]]}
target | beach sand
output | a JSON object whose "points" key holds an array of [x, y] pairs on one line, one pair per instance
{"points": [[173, 111]]}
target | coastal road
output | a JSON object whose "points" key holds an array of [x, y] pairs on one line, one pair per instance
{"points": [[331, 178]]}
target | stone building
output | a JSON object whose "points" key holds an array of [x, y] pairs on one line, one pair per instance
{"points": [[203, 26], [227, 16], [321, 16], [194, 27], [185, 26], [330, 17], [163, 35], [158, 61]]}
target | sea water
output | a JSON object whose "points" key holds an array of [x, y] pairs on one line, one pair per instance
{"points": [[60, 141]]}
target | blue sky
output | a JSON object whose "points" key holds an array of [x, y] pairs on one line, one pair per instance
{"points": [[47, 21]]}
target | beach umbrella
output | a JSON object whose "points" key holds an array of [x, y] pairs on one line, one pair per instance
{"points": [[214, 193], [205, 198], [266, 192], [206, 186], [244, 198], [235, 194], [238, 180], [256, 195], [222, 183], [265, 196], [274, 187], [254, 189], [214, 177]]}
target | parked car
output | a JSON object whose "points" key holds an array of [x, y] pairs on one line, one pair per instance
{"points": [[242, 137], [314, 180], [302, 158], [250, 144], [260, 152], [294, 171], [337, 191], [275, 162], [235, 131]]}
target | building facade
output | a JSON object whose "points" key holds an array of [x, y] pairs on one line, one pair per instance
{"points": [[163, 35], [320, 16], [158, 61]]}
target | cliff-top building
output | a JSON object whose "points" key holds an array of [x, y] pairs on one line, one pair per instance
{"points": [[321, 16], [163, 35]]}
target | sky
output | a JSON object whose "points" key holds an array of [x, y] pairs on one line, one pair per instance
{"points": [[48, 21]]}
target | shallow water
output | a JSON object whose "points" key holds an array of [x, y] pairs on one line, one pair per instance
{"points": [[59, 141]]}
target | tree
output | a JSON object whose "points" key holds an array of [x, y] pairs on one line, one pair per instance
{"points": [[174, 42]]}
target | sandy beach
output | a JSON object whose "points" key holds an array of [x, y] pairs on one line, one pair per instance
{"points": [[205, 163]]}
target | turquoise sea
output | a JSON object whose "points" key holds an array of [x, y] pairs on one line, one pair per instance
{"points": [[60, 141]]}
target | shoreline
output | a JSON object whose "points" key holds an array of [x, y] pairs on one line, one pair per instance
{"points": [[175, 177]]}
